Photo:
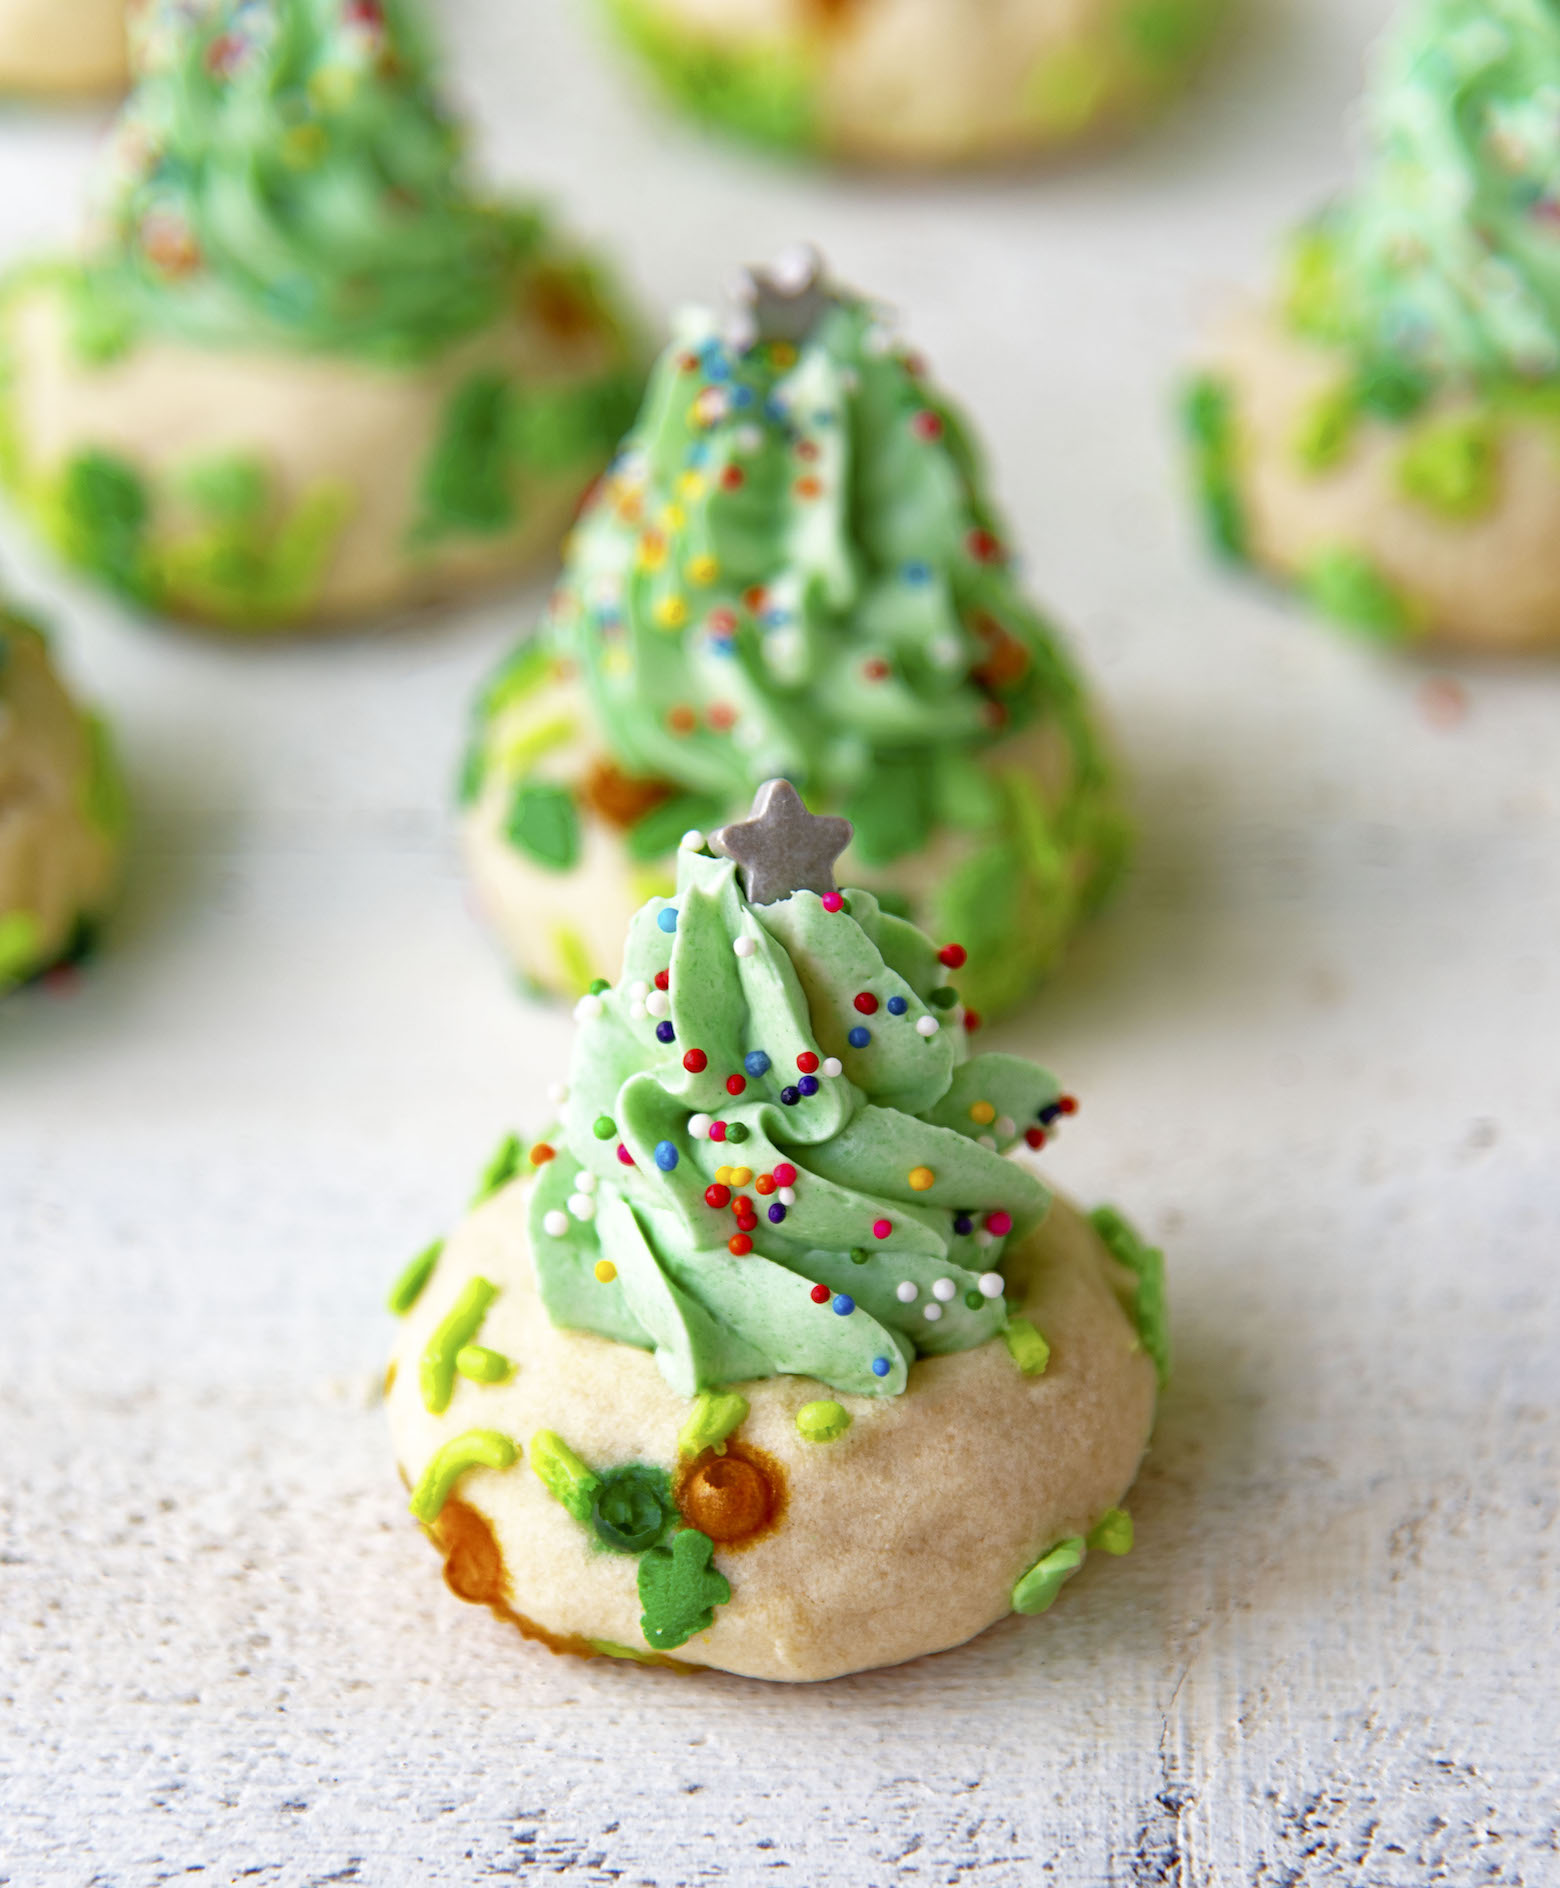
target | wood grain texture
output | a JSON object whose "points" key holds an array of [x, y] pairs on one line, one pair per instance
{"points": [[1316, 1049]]}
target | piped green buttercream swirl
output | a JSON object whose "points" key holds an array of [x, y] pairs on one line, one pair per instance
{"points": [[886, 1243], [1445, 257], [286, 173]]}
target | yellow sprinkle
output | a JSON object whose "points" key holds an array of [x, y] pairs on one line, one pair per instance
{"points": [[303, 146], [782, 353], [740, 1176], [723, 1176], [982, 1111], [672, 612], [674, 517], [703, 568], [921, 1178], [606, 1271], [652, 551], [691, 485]]}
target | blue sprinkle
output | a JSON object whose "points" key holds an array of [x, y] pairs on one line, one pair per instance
{"points": [[717, 366], [808, 1084], [897, 1006], [699, 453], [917, 572], [881, 1366], [844, 1304], [790, 1096], [775, 410], [741, 396], [665, 1156], [776, 1213], [664, 1032], [756, 1062], [963, 1225], [859, 1037], [775, 619]]}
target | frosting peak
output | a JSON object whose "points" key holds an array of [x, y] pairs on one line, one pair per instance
{"points": [[777, 1156]]}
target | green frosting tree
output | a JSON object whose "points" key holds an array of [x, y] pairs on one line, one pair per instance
{"points": [[776, 1154], [794, 569]]}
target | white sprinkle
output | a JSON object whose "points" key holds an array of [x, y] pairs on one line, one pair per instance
{"points": [[926, 1026], [745, 946], [946, 651], [944, 1289], [587, 1009], [932, 1313], [786, 1196], [749, 439], [1004, 1127], [984, 1238], [990, 1284], [639, 990], [907, 1291], [657, 1003], [699, 1126], [556, 1224], [558, 1094], [833, 1066], [988, 1140], [637, 1012], [692, 840], [582, 1206], [587, 1182]]}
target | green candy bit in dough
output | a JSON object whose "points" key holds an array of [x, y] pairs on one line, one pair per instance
{"points": [[21, 947], [1146, 1263], [102, 516], [822, 1421], [231, 489], [1036, 1592], [1112, 1533], [454, 1331], [1325, 435], [715, 1415], [632, 1508], [564, 1475], [1312, 293], [477, 1364], [679, 1590], [1345, 585], [501, 1168], [657, 834], [104, 799], [467, 484], [1452, 467], [409, 1285], [1390, 390], [573, 956], [477, 1448], [1026, 1346], [1208, 413], [544, 823]]}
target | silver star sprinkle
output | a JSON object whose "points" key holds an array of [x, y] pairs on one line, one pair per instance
{"points": [[782, 848], [784, 302]]}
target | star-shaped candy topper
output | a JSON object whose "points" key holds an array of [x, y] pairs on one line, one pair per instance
{"points": [[784, 302], [782, 848]]}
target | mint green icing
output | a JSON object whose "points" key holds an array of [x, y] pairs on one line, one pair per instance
{"points": [[286, 172], [1445, 255], [899, 1102], [793, 568]]}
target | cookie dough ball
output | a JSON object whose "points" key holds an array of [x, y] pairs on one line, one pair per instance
{"points": [[61, 812], [1382, 433], [819, 1505], [67, 47], [917, 81], [306, 370]]}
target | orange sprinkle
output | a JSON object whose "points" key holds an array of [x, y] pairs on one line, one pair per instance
{"points": [[765, 1183], [542, 1153]]}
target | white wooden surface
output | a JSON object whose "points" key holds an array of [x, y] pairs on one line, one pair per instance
{"points": [[1317, 1045]]}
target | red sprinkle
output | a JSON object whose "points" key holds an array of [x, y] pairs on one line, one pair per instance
{"points": [[1035, 1137], [953, 956], [742, 1206], [720, 714], [1068, 1104], [624, 1156], [785, 1173], [739, 1245], [984, 546], [695, 1061], [753, 598], [876, 670], [807, 1062], [733, 478], [717, 1196], [999, 1223], [717, 1130], [832, 901], [881, 1228], [735, 1084], [972, 1020], [765, 1183], [819, 1294], [748, 1223], [542, 1153], [927, 425], [722, 622], [866, 1002], [663, 979]]}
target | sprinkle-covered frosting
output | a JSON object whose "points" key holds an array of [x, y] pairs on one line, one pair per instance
{"points": [[776, 1155], [1445, 258], [286, 172]]}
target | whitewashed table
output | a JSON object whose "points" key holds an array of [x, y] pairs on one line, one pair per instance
{"points": [[1317, 1045]]}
